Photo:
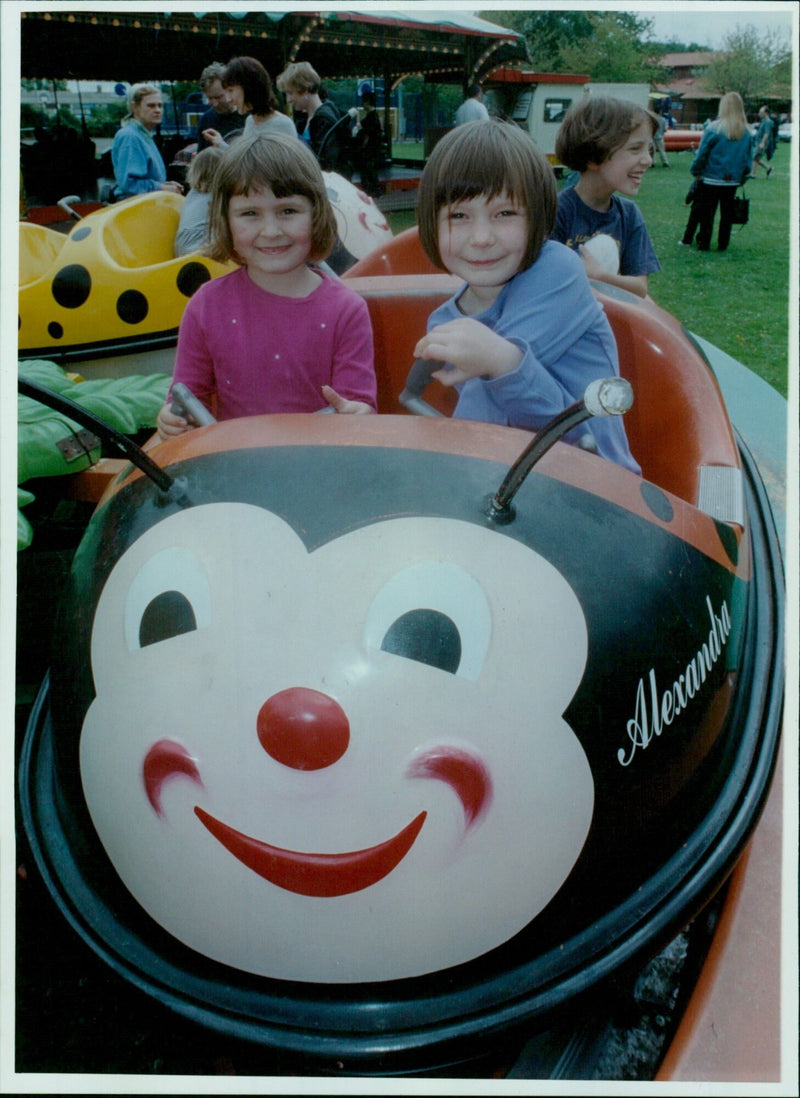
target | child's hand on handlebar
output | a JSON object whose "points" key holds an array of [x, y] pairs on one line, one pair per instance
{"points": [[472, 348], [169, 424]]}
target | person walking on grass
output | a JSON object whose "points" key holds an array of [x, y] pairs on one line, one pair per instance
{"points": [[658, 137], [765, 143], [723, 161]]}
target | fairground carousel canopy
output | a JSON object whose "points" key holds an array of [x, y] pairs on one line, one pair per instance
{"points": [[447, 47]]}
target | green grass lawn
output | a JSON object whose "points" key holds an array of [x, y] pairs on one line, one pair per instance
{"points": [[408, 150], [737, 299]]}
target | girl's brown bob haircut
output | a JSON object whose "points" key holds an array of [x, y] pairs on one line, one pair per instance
{"points": [[287, 167], [596, 127], [487, 157]]}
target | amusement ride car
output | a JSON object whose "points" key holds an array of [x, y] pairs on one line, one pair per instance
{"points": [[379, 742]]}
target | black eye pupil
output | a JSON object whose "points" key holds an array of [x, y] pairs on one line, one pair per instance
{"points": [[427, 636], [167, 615]]}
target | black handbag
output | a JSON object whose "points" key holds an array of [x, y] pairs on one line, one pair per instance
{"points": [[740, 213], [694, 189]]}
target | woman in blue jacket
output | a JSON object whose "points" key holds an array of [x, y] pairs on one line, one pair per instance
{"points": [[138, 165], [723, 161]]}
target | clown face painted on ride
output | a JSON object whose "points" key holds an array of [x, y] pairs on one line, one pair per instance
{"points": [[320, 759], [361, 226]]}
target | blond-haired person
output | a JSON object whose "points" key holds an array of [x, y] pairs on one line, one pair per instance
{"points": [[138, 164], [301, 85], [193, 229], [723, 161]]}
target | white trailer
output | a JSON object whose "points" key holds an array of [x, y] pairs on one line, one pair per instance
{"points": [[634, 93], [538, 101]]}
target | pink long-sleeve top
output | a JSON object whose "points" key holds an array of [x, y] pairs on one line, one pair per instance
{"points": [[261, 353]]}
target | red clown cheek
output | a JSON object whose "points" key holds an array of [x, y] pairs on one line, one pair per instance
{"points": [[165, 760], [467, 775]]}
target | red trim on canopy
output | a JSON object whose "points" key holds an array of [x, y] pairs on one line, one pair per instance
{"points": [[517, 76]]}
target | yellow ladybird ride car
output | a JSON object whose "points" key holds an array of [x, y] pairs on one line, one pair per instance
{"points": [[112, 285]]}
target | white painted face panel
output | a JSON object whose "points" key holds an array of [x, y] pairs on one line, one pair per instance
{"points": [[360, 223], [285, 795]]}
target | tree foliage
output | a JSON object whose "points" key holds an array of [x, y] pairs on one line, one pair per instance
{"points": [[608, 46], [178, 90], [546, 32], [674, 45], [616, 50], [104, 121], [757, 66]]}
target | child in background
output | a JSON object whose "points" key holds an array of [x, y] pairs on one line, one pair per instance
{"points": [[609, 143], [192, 234], [525, 335], [276, 335]]}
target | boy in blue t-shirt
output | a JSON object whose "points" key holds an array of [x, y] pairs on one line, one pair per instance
{"points": [[609, 142]]}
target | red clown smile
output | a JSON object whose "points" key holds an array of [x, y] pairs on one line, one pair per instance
{"points": [[315, 874]]}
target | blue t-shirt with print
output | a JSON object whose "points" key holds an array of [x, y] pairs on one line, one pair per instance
{"points": [[577, 223]]}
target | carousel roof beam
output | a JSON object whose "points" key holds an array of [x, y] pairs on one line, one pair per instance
{"points": [[445, 26], [108, 45]]}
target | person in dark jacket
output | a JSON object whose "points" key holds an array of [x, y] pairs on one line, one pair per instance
{"points": [[221, 115], [326, 128], [723, 161], [369, 145]]}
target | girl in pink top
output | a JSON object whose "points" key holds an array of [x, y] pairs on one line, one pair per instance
{"points": [[276, 335]]}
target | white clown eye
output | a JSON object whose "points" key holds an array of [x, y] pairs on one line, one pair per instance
{"points": [[169, 595], [433, 613]]}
